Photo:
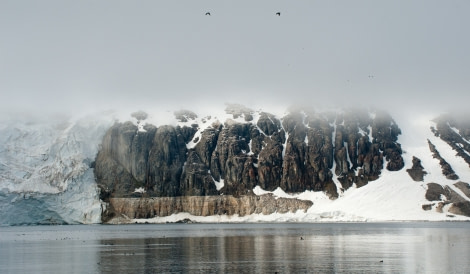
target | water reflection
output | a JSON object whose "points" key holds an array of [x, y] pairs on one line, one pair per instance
{"points": [[245, 248], [49, 256], [322, 249]]}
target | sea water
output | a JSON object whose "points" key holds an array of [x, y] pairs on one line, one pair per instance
{"points": [[411, 247]]}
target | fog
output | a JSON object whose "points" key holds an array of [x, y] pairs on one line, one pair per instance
{"points": [[70, 56]]}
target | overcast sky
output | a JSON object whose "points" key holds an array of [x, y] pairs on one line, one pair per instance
{"points": [[72, 55]]}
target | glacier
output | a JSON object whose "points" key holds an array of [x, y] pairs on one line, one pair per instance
{"points": [[45, 168]]}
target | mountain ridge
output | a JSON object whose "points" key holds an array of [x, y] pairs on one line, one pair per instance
{"points": [[246, 152]]}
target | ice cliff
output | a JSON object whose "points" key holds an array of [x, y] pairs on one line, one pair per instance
{"points": [[45, 174]]}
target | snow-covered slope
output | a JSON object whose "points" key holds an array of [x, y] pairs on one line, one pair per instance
{"points": [[46, 174], [392, 197]]}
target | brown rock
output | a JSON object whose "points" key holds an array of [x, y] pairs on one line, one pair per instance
{"points": [[460, 208], [204, 206], [427, 207], [416, 172], [446, 168], [464, 187]]}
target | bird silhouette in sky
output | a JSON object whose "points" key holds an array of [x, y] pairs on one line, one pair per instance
{"points": [[208, 13], [278, 13]]}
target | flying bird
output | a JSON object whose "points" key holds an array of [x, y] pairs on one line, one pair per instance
{"points": [[208, 13], [278, 13]]}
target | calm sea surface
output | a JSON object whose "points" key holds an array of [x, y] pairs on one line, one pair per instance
{"points": [[238, 248]]}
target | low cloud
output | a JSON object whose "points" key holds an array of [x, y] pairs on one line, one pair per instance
{"points": [[70, 57]]}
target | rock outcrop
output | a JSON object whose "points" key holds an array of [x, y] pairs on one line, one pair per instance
{"points": [[455, 131], [445, 166], [445, 195], [464, 187], [137, 208], [362, 142], [416, 172]]}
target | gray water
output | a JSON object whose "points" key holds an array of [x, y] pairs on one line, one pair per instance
{"points": [[238, 248]]}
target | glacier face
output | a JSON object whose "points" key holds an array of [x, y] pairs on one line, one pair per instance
{"points": [[45, 169], [78, 203]]}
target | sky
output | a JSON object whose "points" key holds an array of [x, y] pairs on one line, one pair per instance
{"points": [[76, 55]]}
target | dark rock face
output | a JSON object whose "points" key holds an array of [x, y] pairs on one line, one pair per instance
{"points": [[268, 124], [296, 153], [464, 187], [460, 208], [196, 180], [361, 144], [207, 145], [458, 204], [308, 155], [416, 172], [121, 164], [446, 168], [427, 207], [455, 131], [435, 191], [167, 156], [232, 160], [152, 159], [270, 163]]}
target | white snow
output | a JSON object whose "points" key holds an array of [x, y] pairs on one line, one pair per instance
{"points": [[218, 184], [139, 190], [345, 144], [339, 187], [284, 146], [333, 134], [369, 127], [362, 132], [251, 149], [140, 127]]}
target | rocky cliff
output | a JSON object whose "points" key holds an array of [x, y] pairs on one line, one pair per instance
{"points": [[302, 150]]}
